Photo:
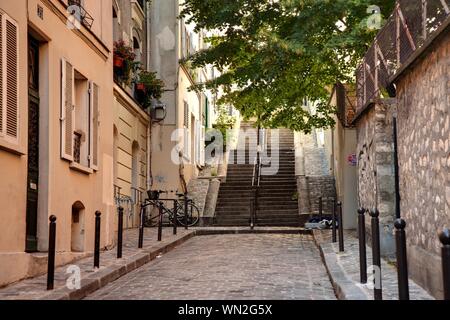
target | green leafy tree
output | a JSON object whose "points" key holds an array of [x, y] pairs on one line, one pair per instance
{"points": [[273, 55]]}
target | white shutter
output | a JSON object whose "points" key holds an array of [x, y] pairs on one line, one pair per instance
{"points": [[202, 145], [197, 142], [67, 110], [93, 125], [9, 74]]}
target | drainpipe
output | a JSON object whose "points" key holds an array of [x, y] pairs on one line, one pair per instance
{"points": [[177, 63], [147, 13], [396, 167], [150, 124]]}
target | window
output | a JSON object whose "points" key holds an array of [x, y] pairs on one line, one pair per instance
{"points": [[9, 79], [186, 132], [79, 118]]}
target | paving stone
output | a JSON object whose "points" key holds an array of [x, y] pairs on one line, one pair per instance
{"points": [[228, 267]]}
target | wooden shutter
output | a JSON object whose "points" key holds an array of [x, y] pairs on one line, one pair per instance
{"points": [[67, 110], [9, 79], [93, 125], [2, 118]]}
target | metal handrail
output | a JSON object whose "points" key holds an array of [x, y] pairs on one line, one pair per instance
{"points": [[256, 180]]}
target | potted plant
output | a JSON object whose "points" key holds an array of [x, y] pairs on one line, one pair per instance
{"points": [[140, 86], [148, 87], [118, 62], [124, 60]]}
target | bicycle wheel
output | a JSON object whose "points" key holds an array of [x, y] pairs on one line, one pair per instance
{"points": [[150, 221], [193, 215]]}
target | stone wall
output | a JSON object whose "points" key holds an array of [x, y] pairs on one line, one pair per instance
{"points": [[197, 191], [424, 155], [376, 180], [313, 176], [311, 188]]}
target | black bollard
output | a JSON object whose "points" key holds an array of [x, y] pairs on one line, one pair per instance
{"points": [[341, 227], [362, 245], [175, 216], [185, 211], [160, 221], [97, 239], [445, 240], [320, 208], [402, 260], [333, 222], [376, 254], [252, 208], [120, 234], [141, 228], [51, 253]]}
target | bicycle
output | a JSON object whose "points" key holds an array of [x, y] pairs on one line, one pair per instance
{"points": [[154, 200]]}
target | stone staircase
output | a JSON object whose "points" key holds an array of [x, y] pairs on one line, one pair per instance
{"points": [[277, 204]]}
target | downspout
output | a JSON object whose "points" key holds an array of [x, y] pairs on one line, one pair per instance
{"points": [[396, 171], [149, 127], [147, 13], [177, 113]]}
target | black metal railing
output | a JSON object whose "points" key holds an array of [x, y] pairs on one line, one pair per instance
{"points": [[77, 10], [77, 147], [256, 181], [411, 24]]}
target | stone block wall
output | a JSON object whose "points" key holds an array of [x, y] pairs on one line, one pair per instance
{"points": [[313, 176], [197, 191], [424, 154], [376, 180]]}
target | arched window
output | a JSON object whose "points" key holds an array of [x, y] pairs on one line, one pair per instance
{"points": [[137, 49]]}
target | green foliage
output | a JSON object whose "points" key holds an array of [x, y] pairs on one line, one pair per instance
{"points": [[273, 55], [224, 122], [154, 87]]}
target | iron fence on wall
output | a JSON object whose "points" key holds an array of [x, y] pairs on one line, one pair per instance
{"points": [[411, 24]]}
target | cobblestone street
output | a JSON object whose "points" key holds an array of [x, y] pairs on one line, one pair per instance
{"points": [[228, 267]]}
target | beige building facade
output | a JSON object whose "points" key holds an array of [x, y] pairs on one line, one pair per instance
{"points": [[56, 142], [341, 150], [131, 120], [177, 142]]}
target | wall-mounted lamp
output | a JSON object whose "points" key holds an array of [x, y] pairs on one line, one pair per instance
{"points": [[158, 111]]}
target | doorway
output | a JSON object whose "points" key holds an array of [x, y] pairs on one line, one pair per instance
{"points": [[78, 227], [33, 146]]}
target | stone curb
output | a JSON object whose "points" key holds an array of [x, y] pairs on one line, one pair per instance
{"points": [[106, 275], [344, 287]]}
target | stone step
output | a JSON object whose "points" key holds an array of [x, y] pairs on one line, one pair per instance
{"points": [[242, 223], [246, 217], [271, 206]]}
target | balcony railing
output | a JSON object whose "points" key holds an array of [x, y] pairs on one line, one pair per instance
{"points": [[84, 17], [412, 23]]}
